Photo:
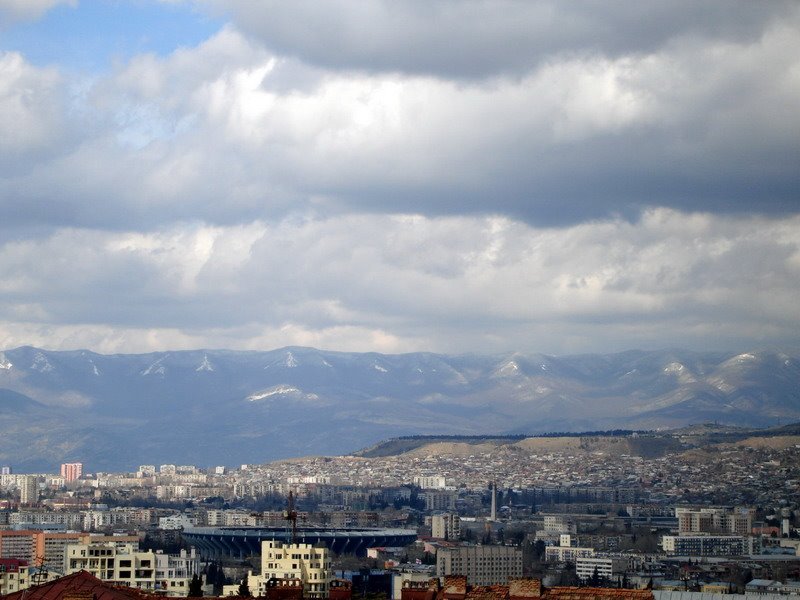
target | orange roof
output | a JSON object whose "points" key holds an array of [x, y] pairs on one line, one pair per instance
{"points": [[576, 593], [488, 592]]}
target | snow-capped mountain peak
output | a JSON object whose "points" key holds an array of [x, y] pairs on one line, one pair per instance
{"points": [[156, 368], [283, 391], [41, 364], [205, 365]]}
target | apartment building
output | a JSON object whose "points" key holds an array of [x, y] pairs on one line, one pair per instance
{"points": [[51, 547], [301, 563], [446, 526], [439, 499], [71, 471], [430, 482], [481, 565], [559, 524], [710, 545], [567, 553], [28, 489], [606, 567], [737, 520], [14, 575], [150, 571], [18, 544]]}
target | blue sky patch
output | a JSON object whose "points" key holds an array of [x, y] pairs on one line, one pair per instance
{"points": [[95, 34]]}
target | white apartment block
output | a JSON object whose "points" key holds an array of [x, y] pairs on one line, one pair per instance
{"points": [[430, 482], [146, 471], [176, 522], [150, 571], [567, 553], [607, 567], [301, 562], [482, 565]]}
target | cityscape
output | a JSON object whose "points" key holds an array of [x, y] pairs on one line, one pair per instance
{"points": [[612, 511], [400, 299]]}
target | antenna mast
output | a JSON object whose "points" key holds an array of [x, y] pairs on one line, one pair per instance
{"points": [[41, 575], [291, 515]]}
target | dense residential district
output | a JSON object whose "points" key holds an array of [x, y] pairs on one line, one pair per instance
{"points": [[569, 520]]}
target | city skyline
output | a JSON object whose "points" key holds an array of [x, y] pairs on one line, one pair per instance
{"points": [[373, 176]]}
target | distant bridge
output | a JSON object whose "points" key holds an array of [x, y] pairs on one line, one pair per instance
{"points": [[241, 542]]}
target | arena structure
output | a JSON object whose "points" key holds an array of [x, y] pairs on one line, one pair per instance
{"points": [[216, 543]]}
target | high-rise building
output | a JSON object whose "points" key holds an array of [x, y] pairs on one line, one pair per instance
{"points": [[481, 565], [5, 470], [28, 489], [446, 527], [71, 471]]}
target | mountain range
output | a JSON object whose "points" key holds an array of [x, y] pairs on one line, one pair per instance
{"points": [[206, 407]]}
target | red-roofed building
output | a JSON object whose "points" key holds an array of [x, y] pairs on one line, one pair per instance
{"points": [[79, 586], [456, 588], [13, 575]]}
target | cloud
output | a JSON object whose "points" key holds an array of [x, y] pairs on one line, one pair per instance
{"points": [[31, 110], [13, 11], [228, 133], [399, 283], [476, 38], [448, 176]]}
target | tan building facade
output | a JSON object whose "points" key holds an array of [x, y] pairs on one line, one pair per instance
{"points": [[302, 562]]}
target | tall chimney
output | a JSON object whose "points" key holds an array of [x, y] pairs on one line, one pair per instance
{"points": [[494, 501]]}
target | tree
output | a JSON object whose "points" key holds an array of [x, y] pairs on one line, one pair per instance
{"points": [[218, 580], [244, 591], [195, 587]]}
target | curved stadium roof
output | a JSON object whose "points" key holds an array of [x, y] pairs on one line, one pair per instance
{"points": [[241, 542]]}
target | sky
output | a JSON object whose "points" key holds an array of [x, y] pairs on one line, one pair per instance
{"points": [[459, 176]]}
